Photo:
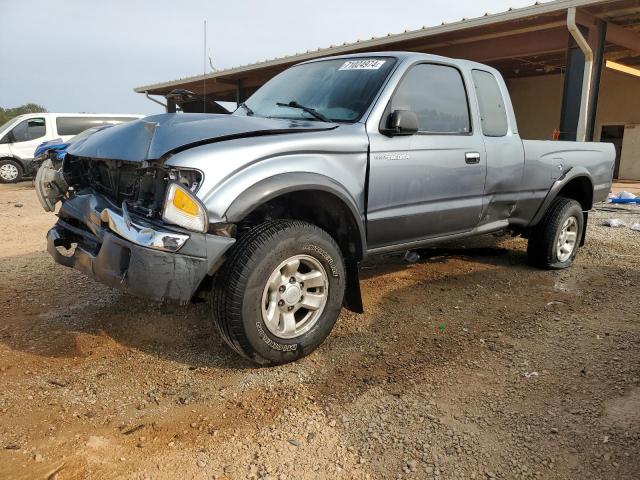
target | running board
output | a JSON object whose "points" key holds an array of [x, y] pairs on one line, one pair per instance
{"points": [[491, 227]]}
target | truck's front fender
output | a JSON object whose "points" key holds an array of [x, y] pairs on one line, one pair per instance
{"points": [[281, 184]]}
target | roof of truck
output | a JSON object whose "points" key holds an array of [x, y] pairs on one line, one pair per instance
{"points": [[401, 55]]}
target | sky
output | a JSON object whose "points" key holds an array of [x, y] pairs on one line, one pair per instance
{"points": [[89, 55]]}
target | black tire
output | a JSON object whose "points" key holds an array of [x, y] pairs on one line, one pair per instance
{"points": [[7, 161], [239, 285], [543, 250]]}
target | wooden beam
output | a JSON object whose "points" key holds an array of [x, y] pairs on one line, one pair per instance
{"points": [[522, 45], [225, 81], [586, 19], [489, 36], [623, 37]]}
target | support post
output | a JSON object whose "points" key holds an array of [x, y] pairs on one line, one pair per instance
{"points": [[171, 105], [572, 92], [597, 39], [577, 93], [241, 94]]}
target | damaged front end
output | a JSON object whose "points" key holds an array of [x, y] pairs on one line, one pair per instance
{"points": [[111, 226], [139, 185]]}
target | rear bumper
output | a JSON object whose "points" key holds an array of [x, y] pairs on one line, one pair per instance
{"points": [[98, 252]]}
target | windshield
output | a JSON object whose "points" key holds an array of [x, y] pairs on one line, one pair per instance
{"points": [[340, 90], [5, 126]]}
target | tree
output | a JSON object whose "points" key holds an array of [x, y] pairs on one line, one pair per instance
{"points": [[7, 114]]}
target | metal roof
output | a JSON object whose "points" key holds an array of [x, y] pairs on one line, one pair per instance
{"points": [[541, 24]]}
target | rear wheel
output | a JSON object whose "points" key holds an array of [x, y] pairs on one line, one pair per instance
{"points": [[279, 293], [554, 242], [10, 171]]}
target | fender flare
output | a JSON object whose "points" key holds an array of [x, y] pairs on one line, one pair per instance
{"points": [[272, 187], [558, 185]]}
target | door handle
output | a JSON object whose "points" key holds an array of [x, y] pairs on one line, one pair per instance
{"points": [[472, 158]]}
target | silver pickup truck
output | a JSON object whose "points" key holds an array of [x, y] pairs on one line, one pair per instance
{"points": [[269, 211]]}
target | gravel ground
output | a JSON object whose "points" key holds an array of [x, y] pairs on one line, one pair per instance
{"points": [[628, 214], [467, 364]]}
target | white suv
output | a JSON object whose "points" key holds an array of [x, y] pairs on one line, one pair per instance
{"points": [[20, 136]]}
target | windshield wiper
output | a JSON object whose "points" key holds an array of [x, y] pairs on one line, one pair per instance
{"points": [[309, 110], [245, 106]]}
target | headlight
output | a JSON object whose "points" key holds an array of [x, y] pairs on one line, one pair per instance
{"points": [[183, 209]]}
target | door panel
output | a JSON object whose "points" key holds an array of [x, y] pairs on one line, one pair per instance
{"points": [[505, 153], [26, 136], [430, 184], [422, 186]]}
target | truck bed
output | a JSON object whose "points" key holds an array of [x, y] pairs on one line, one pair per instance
{"points": [[561, 158]]}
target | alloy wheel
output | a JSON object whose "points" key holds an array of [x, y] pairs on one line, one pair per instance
{"points": [[9, 172], [567, 239], [295, 296]]}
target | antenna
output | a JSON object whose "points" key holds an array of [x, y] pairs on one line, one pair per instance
{"points": [[204, 71]]}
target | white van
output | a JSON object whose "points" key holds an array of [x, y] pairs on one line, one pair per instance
{"points": [[20, 136]]}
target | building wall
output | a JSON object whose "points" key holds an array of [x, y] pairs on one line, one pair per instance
{"points": [[537, 102], [630, 162]]}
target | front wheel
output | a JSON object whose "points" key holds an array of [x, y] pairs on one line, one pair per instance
{"points": [[10, 171], [279, 293], [554, 242]]}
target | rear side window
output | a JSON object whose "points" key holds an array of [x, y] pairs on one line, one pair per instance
{"points": [[75, 125], [493, 112], [436, 94], [29, 130]]}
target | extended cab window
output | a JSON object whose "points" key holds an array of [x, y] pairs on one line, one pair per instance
{"points": [[493, 113], [436, 94], [28, 130]]}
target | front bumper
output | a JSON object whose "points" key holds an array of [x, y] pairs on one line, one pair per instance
{"points": [[85, 238]]}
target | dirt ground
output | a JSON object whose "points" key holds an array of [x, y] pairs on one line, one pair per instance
{"points": [[467, 364]]}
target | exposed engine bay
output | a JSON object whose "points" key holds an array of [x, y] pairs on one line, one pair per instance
{"points": [[141, 186]]}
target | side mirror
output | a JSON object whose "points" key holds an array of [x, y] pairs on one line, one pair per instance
{"points": [[401, 122], [6, 138]]}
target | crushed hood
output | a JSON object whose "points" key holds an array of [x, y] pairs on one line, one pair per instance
{"points": [[152, 137]]}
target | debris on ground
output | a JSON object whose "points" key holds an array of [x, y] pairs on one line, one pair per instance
{"points": [[553, 306], [623, 197], [614, 223]]}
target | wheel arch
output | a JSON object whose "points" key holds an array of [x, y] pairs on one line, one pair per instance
{"points": [[333, 199], [316, 199], [579, 188], [575, 184]]}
